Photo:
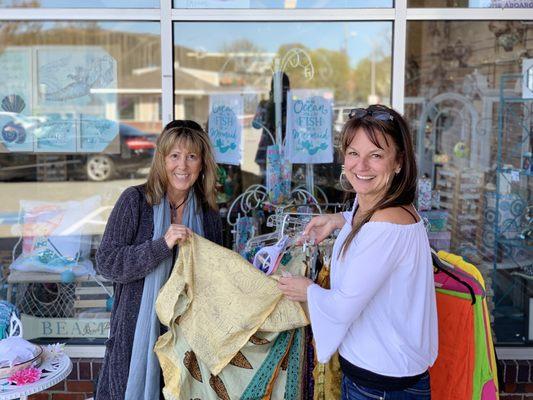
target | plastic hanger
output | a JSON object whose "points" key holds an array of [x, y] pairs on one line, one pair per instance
{"points": [[437, 263]]}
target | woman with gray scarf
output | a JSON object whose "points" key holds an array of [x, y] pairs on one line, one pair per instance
{"points": [[138, 250]]}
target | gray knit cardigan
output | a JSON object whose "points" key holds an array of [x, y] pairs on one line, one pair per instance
{"points": [[126, 255]]}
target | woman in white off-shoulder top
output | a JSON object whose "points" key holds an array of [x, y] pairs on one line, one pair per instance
{"points": [[380, 313]]}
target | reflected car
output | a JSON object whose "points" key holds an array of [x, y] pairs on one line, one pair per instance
{"points": [[135, 154]]}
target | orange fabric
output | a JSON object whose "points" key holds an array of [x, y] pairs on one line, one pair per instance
{"points": [[452, 373]]}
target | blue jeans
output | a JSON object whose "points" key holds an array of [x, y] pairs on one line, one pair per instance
{"points": [[352, 391]]}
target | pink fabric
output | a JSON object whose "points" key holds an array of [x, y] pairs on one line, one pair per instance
{"points": [[489, 391], [443, 281]]}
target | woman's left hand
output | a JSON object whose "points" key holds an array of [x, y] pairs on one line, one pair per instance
{"points": [[294, 287]]}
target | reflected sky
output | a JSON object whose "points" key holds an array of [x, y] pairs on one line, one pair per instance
{"points": [[147, 27], [87, 3], [282, 3], [357, 38], [207, 3]]}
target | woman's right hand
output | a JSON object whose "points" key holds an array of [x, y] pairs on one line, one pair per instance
{"points": [[176, 234], [322, 226]]}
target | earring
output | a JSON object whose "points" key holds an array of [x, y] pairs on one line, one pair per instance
{"points": [[342, 183], [397, 171]]}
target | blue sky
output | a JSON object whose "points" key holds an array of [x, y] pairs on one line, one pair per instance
{"points": [[359, 36]]}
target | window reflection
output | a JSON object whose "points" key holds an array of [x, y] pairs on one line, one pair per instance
{"points": [[80, 4], [287, 4], [470, 3], [79, 115], [349, 63], [464, 96]]}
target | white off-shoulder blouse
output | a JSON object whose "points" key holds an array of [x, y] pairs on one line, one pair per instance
{"points": [[380, 312]]}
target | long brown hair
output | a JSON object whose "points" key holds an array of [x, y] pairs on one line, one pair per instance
{"points": [[193, 137], [402, 187]]}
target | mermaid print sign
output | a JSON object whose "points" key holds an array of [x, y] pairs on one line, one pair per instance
{"points": [[309, 122], [225, 127]]}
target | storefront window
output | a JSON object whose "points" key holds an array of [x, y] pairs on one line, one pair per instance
{"points": [[282, 4], [79, 115], [79, 4], [470, 3], [469, 99], [322, 69]]}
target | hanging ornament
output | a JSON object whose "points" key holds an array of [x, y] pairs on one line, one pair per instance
{"points": [[67, 276], [109, 303], [460, 150]]}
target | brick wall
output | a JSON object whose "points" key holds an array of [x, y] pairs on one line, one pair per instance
{"points": [[79, 385], [517, 379]]}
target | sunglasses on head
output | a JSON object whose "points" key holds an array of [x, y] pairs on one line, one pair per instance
{"points": [[184, 123], [380, 115]]}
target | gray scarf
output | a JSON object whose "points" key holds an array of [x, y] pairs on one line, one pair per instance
{"points": [[144, 374]]}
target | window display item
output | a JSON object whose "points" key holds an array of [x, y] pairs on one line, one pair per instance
{"points": [[278, 175], [7, 310], [435, 199], [527, 163], [17, 353], [52, 236], [460, 150], [424, 194], [437, 219], [25, 376], [245, 229], [440, 240]]}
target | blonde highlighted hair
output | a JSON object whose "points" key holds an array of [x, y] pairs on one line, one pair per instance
{"points": [[193, 137]]}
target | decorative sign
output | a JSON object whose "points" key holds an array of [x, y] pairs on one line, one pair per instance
{"points": [[75, 90], [64, 327], [309, 123], [225, 127], [15, 100], [76, 86], [278, 175], [527, 78], [500, 4]]}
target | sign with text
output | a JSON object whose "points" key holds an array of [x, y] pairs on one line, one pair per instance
{"points": [[309, 123], [225, 127], [64, 327]]}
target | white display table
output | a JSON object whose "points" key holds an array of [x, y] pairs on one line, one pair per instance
{"points": [[55, 368]]}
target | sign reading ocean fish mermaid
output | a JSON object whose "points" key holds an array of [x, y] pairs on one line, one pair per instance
{"points": [[309, 124], [225, 127]]}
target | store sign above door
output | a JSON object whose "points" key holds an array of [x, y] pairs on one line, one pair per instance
{"points": [[309, 122], [64, 327]]}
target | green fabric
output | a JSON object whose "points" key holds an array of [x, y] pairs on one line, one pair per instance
{"points": [[482, 371], [294, 369], [259, 383]]}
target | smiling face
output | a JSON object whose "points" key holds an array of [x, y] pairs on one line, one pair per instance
{"points": [[183, 166], [368, 168]]}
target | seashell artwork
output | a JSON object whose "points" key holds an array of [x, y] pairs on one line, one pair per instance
{"points": [[13, 132], [13, 103]]}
